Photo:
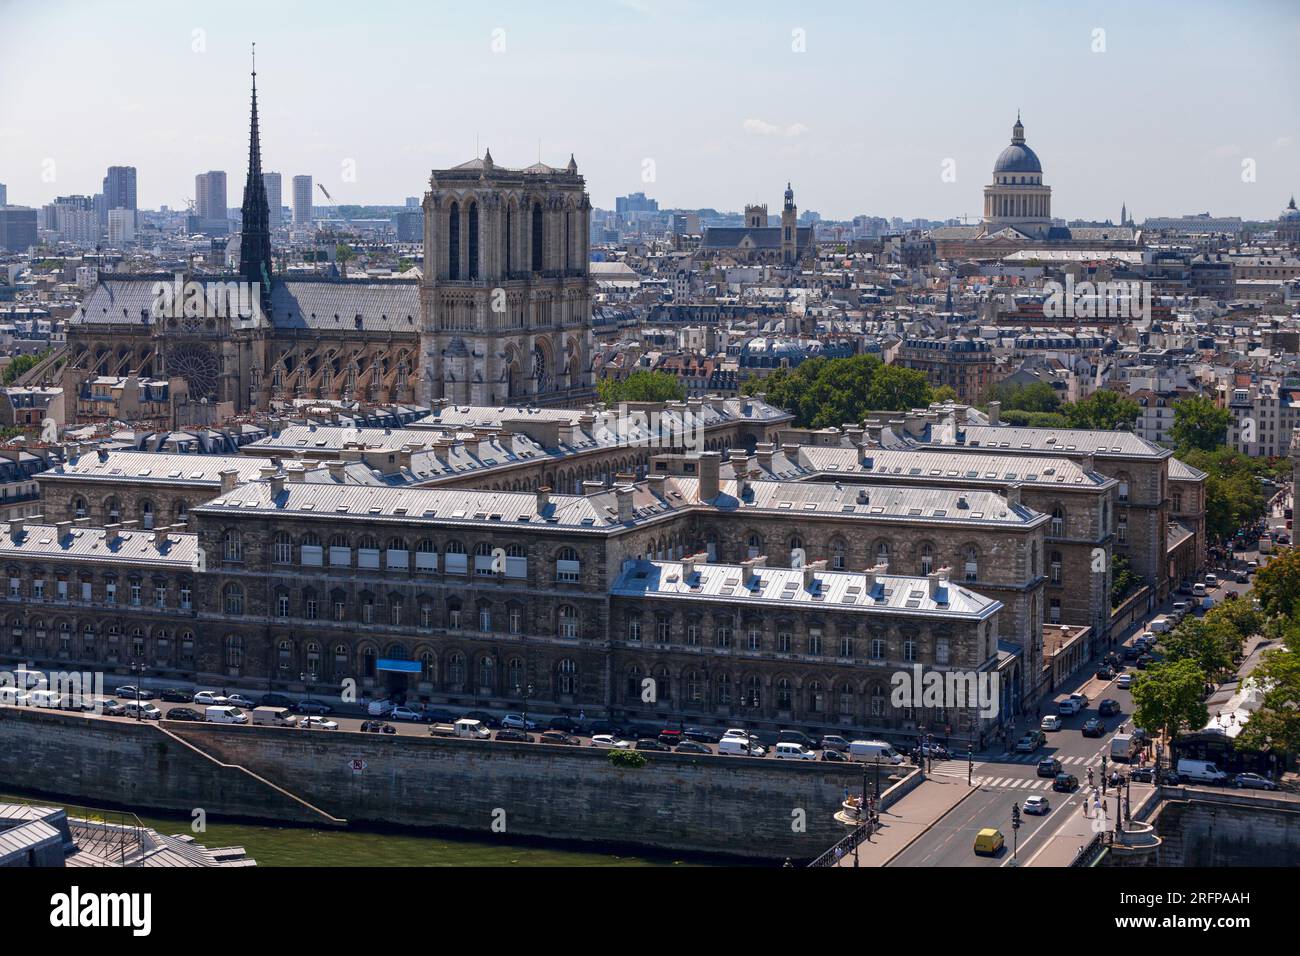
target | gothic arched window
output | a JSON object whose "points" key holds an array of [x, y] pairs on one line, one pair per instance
{"points": [[473, 240], [453, 241], [537, 237]]}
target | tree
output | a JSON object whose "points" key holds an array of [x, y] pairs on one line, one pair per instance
{"points": [[642, 386], [1200, 642], [1123, 580], [19, 366], [822, 392], [1233, 495], [944, 393], [1034, 397], [1022, 419], [896, 389], [343, 253], [1168, 697], [1277, 584], [1104, 410], [1199, 424], [1276, 724]]}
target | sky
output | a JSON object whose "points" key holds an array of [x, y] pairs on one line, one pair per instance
{"points": [[880, 108]]}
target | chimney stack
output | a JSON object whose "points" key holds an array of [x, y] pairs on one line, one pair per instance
{"points": [[266, 471], [938, 585], [592, 487], [62, 530], [112, 534], [160, 538], [229, 476], [1088, 462], [995, 413], [1013, 494], [876, 577], [337, 472], [543, 498], [277, 485], [658, 485], [810, 573], [710, 463], [764, 451], [623, 497], [749, 569]]}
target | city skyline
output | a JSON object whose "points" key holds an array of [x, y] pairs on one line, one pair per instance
{"points": [[719, 116]]}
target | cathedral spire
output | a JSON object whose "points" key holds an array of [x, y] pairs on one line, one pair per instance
{"points": [[255, 241]]}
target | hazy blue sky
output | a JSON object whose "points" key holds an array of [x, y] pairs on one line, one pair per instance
{"points": [[714, 94]]}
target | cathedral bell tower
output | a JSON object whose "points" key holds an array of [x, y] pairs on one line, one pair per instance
{"points": [[789, 228]]}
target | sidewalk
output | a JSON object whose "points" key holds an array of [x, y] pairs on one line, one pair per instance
{"points": [[1064, 845], [910, 817]]}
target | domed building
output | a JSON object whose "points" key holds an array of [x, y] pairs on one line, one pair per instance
{"points": [[1017, 197], [1288, 224]]}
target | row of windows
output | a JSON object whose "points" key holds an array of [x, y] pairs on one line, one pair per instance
{"points": [[135, 591]]}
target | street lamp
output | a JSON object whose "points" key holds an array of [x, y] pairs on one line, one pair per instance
{"points": [[137, 671], [527, 692]]}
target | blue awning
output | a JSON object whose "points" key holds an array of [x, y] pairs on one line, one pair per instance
{"points": [[400, 667]]}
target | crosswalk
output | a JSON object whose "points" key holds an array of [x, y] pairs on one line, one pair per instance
{"points": [[992, 779]]}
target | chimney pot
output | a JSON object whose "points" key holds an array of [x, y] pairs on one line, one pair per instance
{"points": [[709, 465], [229, 477]]}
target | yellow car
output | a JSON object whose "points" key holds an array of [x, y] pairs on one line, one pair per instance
{"points": [[989, 841]]}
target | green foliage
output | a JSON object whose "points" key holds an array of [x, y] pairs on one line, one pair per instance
{"points": [[944, 393], [632, 759], [1123, 579], [642, 386], [1277, 585], [1023, 419], [1103, 409], [1169, 697], [343, 252], [1212, 649], [1199, 424], [1233, 495], [1276, 725], [20, 365], [823, 392], [1034, 397]]}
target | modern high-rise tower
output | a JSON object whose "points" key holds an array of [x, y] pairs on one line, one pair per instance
{"points": [[119, 191], [302, 201], [274, 198]]}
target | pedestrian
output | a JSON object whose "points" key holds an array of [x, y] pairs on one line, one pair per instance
{"points": [[839, 853]]}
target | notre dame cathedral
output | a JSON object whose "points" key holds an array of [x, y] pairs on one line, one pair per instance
{"points": [[501, 316]]}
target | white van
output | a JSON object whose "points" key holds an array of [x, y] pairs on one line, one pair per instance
{"points": [[1161, 625], [1180, 609], [274, 717], [789, 751], [1200, 771], [141, 709], [868, 750], [225, 714], [1211, 582], [740, 747]]}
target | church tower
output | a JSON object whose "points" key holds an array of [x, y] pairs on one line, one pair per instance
{"points": [[255, 239], [506, 295], [789, 228]]}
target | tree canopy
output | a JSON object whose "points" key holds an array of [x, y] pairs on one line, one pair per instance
{"points": [[1033, 397], [1199, 424], [641, 386], [1104, 410], [823, 392], [1168, 697]]}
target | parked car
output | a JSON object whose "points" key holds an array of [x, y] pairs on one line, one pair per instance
{"points": [[606, 727], [1065, 783], [1199, 771], [1142, 774], [934, 751], [183, 713], [377, 727], [176, 695], [834, 743], [114, 708], [210, 698], [516, 736], [316, 722], [837, 756], [609, 740], [1049, 767], [1094, 727], [701, 735], [670, 737], [1105, 673], [647, 743], [518, 722], [1050, 722], [406, 713], [1144, 660], [1108, 707], [559, 737], [483, 717], [134, 692], [144, 709], [311, 706], [796, 737], [1253, 781], [567, 724], [793, 751], [1124, 682], [239, 700], [274, 700], [693, 747], [1036, 805]]}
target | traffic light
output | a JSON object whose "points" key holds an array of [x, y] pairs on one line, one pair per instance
{"points": [[1015, 816]]}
